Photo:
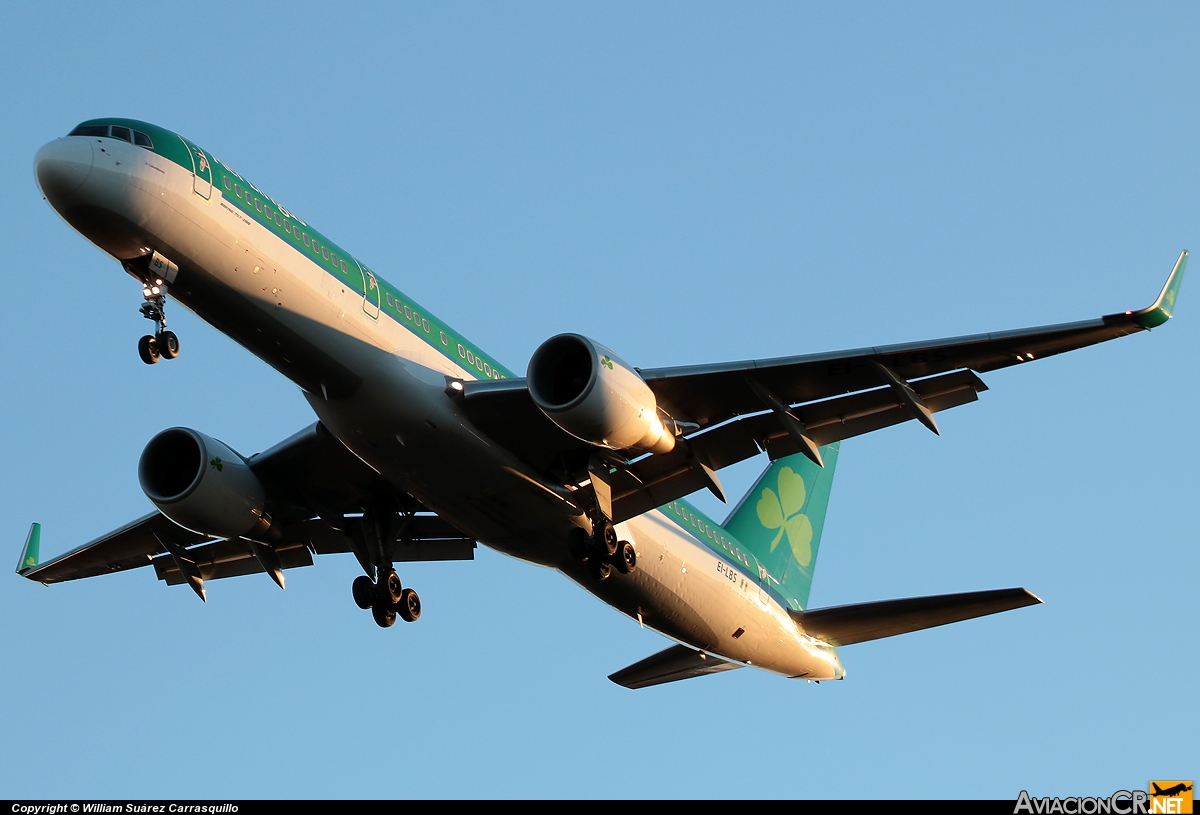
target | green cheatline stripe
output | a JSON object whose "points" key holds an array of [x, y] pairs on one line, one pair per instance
{"points": [[253, 202], [717, 538]]}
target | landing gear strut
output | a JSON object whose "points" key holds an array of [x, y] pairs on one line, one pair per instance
{"points": [[163, 344], [602, 550], [384, 596]]}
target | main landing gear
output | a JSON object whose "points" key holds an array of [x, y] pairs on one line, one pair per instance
{"points": [[163, 344], [386, 599], [602, 551], [371, 537]]}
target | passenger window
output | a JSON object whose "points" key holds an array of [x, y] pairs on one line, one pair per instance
{"points": [[425, 325], [408, 316], [258, 204], [389, 298], [141, 139], [462, 352], [122, 133], [90, 130], [344, 270], [325, 252], [306, 239], [445, 341], [487, 369], [470, 358], [237, 190], [228, 183], [278, 220]]}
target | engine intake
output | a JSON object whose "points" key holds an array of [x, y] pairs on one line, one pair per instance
{"points": [[203, 485], [591, 393]]}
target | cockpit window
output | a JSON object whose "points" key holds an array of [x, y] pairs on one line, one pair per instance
{"points": [[90, 130], [118, 132]]}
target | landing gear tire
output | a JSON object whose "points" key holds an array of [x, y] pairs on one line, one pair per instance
{"points": [[168, 344], [602, 571], [363, 590], [626, 558], [148, 350], [605, 540], [389, 591], [384, 617], [409, 606]]}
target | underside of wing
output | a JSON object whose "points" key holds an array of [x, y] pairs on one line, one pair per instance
{"points": [[711, 394], [318, 495], [133, 545]]}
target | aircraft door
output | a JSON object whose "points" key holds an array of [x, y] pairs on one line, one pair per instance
{"points": [[764, 596], [201, 171], [370, 292]]}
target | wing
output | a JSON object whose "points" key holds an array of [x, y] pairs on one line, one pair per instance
{"points": [[312, 481], [710, 394], [129, 547], [786, 405]]}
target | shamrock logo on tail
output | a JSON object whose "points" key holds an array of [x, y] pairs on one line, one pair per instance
{"points": [[782, 512]]}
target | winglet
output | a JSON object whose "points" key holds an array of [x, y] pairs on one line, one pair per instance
{"points": [[1164, 306], [31, 552]]}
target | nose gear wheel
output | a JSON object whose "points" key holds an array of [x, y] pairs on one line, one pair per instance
{"points": [[163, 344]]}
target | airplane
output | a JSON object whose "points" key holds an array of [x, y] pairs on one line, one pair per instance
{"points": [[1170, 792], [425, 445]]}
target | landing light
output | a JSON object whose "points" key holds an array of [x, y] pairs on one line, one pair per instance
{"points": [[154, 290], [146, 292], [454, 388]]}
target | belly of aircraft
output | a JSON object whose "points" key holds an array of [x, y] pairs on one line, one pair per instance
{"points": [[369, 388]]}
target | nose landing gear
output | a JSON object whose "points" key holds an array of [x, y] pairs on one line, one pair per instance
{"points": [[156, 273], [163, 344]]}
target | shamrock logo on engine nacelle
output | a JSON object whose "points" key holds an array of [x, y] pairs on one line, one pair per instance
{"points": [[782, 512]]}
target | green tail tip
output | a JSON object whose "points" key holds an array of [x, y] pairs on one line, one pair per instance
{"points": [[29, 555]]}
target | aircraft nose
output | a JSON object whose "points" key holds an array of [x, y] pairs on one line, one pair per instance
{"points": [[62, 166]]}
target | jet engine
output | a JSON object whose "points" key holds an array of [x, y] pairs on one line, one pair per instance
{"points": [[203, 485], [589, 392]]}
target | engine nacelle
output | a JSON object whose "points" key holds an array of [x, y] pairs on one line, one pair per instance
{"points": [[588, 391], [203, 485]]}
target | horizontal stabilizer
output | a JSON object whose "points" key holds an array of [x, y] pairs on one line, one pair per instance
{"points": [[675, 663], [846, 625]]}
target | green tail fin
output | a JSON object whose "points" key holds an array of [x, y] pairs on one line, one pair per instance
{"points": [[780, 520], [31, 552]]}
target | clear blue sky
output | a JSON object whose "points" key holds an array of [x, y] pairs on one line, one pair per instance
{"points": [[686, 183]]}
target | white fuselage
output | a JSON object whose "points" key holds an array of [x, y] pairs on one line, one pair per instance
{"points": [[381, 389]]}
